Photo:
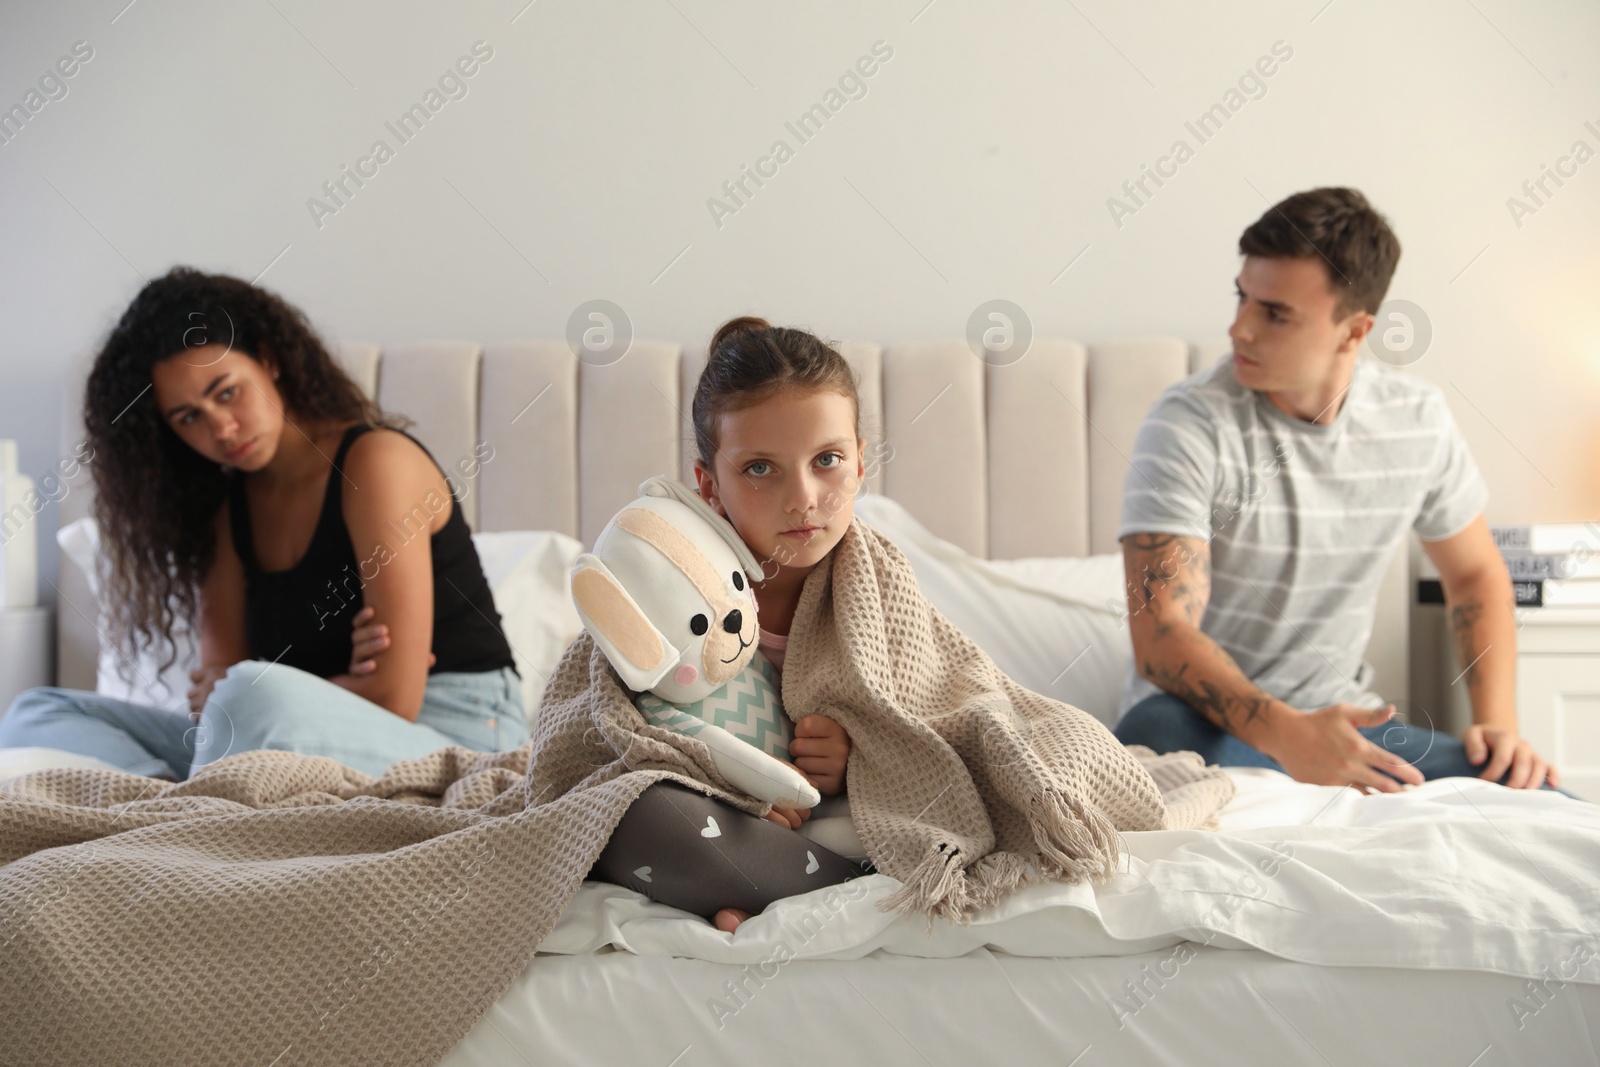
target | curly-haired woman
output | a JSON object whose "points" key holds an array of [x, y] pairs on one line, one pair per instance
{"points": [[246, 485]]}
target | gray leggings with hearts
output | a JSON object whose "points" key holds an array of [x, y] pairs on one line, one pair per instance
{"points": [[684, 849]]}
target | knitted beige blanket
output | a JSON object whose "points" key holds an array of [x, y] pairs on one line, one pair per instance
{"points": [[285, 909], [964, 785], [278, 908]]}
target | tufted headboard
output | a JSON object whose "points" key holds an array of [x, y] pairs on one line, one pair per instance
{"points": [[1025, 459]]}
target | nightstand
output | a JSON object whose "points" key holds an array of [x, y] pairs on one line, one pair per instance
{"points": [[1558, 692], [26, 647]]}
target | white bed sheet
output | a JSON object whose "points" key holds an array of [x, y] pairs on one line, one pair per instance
{"points": [[1234, 1008], [1403, 928]]}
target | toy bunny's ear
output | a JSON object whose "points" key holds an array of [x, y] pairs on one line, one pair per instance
{"points": [[641, 653], [673, 489]]}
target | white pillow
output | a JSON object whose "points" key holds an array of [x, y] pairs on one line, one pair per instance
{"points": [[1054, 625], [528, 576], [80, 543]]}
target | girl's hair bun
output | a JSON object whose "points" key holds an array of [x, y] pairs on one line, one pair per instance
{"points": [[751, 359], [743, 324]]}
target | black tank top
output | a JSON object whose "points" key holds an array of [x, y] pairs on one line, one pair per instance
{"points": [[301, 616]]}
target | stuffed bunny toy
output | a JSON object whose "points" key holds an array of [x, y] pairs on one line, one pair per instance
{"points": [[666, 596]]}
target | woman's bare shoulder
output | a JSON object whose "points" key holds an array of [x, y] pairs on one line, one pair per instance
{"points": [[384, 451], [386, 473]]}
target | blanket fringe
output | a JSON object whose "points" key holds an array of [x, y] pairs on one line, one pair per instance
{"points": [[996, 877], [941, 888], [937, 888], [1075, 841]]}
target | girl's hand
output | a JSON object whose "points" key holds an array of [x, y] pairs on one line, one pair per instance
{"points": [[205, 679], [821, 749], [367, 639], [789, 817]]}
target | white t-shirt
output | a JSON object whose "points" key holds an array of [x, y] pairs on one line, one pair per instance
{"points": [[1302, 519]]}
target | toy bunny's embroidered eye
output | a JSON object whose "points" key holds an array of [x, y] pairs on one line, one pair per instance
{"points": [[699, 624], [738, 581]]}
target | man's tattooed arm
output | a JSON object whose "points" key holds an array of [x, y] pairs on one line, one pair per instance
{"points": [[1168, 578], [1169, 584], [1465, 618], [1229, 711]]}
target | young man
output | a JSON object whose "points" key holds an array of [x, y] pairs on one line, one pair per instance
{"points": [[1265, 499]]}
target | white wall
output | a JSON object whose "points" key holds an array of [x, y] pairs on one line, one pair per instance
{"points": [[978, 165]]}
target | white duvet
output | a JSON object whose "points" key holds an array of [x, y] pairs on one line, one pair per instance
{"points": [[1456, 874]]}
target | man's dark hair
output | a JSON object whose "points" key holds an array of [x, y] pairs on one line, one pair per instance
{"points": [[1339, 228]]}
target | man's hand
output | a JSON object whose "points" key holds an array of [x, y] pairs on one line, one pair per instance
{"points": [[821, 749], [1504, 749], [367, 640], [205, 679], [1324, 747]]}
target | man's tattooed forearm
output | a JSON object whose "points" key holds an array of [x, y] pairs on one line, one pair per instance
{"points": [[1225, 711], [1464, 620]]}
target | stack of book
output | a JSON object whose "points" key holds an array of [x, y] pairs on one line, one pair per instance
{"points": [[1552, 565]]}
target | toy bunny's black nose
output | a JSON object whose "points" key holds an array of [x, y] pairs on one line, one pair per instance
{"points": [[733, 622]]}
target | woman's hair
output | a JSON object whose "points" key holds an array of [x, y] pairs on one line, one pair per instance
{"points": [[156, 498], [750, 361]]}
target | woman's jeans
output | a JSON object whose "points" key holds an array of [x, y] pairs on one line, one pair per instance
{"points": [[266, 705], [1166, 724]]}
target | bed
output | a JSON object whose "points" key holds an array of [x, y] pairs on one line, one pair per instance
{"points": [[1453, 924]]}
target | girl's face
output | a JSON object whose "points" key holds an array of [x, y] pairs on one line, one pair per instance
{"points": [[222, 404], [786, 475]]}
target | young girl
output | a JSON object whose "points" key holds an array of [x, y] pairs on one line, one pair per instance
{"points": [[779, 454], [246, 483], [965, 785]]}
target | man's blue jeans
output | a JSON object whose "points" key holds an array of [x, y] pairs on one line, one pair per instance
{"points": [[1166, 724]]}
